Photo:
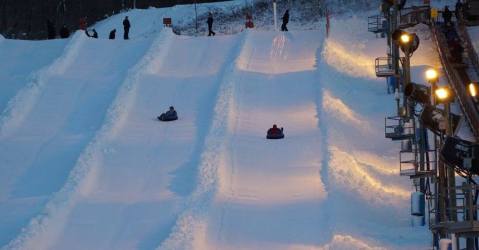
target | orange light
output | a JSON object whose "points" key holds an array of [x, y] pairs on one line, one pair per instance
{"points": [[431, 75], [405, 38], [443, 93], [473, 89]]}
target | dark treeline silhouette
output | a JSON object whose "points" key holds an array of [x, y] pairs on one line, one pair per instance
{"points": [[27, 19]]}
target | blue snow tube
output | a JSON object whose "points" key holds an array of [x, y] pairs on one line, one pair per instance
{"points": [[167, 118]]}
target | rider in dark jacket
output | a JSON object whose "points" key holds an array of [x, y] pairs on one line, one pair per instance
{"points": [[285, 21], [169, 115], [210, 24]]}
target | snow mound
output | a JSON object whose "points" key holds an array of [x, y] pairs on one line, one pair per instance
{"points": [[353, 177], [380, 164], [341, 58], [337, 108], [346, 242]]}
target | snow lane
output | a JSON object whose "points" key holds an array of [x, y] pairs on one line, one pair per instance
{"points": [[67, 108], [274, 199], [190, 220]]}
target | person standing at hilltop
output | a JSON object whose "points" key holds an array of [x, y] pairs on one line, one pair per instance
{"points": [[126, 28], [285, 21], [64, 32], [210, 24], [447, 15], [51, 29]]}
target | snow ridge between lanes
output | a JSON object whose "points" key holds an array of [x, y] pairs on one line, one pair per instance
{"points": [[43, 230], [19, 107], [182, 236]]}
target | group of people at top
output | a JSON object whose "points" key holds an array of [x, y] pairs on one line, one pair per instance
{"points": [[210, 21], [65, 32], [447, 14], [112, 35], [452, 38]]}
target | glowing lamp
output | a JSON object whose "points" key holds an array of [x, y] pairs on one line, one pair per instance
{"points": [[443, 94], [473, 89], [432, 75], [405, 38]]}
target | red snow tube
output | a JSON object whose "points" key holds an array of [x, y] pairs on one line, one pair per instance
{"points": [[275, 133]]}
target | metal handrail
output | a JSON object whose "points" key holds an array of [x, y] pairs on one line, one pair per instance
{"points": [[414, 15], [467, 106]]}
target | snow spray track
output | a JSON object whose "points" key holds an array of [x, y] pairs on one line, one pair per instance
{"points": [[50, 122], [256, 193]]}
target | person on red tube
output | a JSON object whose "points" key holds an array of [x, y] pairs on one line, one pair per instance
{"points": [[275, 133]]}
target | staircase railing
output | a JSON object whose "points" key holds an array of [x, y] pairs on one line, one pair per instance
{"points": [[457, 82]]}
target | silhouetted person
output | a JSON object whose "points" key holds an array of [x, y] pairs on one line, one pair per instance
{"points": [[169, 115], [447, 15], [112, 34], [83, 23], [459, 9], [64, 32], [456, 50], [275, 133], [95, 34], [51, 29], [126, 28], [285, 21], [210, 24]]}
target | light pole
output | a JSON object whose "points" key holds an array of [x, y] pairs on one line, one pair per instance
{"points": [[432, 78], [274, 16], [444, 96], [408, 43], [196, 19]]}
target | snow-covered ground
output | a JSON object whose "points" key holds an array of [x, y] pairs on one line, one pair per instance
{"points": [[85, 165]]}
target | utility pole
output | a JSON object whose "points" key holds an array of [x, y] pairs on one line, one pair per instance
{"points": [[196, 19], [451, 174], [394, 47], [274, 16]]}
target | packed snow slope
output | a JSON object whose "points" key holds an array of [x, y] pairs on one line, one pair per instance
{"points": [[85, 164]]}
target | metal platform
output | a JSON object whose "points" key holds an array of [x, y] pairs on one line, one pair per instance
{"points": [[384, 67], [396, 130], [414, 15], [377, 24]]}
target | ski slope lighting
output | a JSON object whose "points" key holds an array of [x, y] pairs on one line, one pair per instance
{"points": [[473, 89], [405, 38], [432, 76], [443, 94]]}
